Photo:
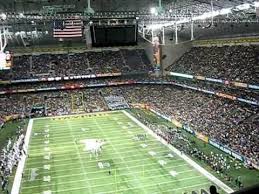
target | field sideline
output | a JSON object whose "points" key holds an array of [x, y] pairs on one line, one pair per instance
{"points": [[138, 163]]}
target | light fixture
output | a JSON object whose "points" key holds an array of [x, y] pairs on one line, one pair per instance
{"points": [[21, 15], [3, 16], [153, 10], [243, 6]]}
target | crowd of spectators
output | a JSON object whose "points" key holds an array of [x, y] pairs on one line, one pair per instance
{"points": [[69, 64], [239, 63]]}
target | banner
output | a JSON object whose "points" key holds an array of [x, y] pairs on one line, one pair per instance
{"points": [[187, 128], [181, 75], [253, 87], [177, 124], [239, 84], [214, 80], [202, 137], [1, 123], [226, 96], [248, 101], [207, 91], [156, 52], [226, 150], [200, 77]]}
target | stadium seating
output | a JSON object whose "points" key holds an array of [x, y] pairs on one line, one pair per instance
{"points": [[94, 62], [239, 63]]}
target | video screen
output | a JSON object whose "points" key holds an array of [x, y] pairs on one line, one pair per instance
{"points": [[5, 60]]}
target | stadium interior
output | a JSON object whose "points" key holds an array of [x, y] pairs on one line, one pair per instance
{"points": [[129, 96]]}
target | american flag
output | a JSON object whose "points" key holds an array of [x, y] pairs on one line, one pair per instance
{"points": [[67, 28]]}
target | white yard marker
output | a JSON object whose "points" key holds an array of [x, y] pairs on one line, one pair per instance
{"points": [[46, 178], [85, 129], [46, 142], [170, 155], [47, 156], [143, 145], [47, 192], [100, 165], [46, 130], [46, 149], [34, 174], [173, 173], [46, 136], [46, 167], [152, 153], [124, 127], [162, 162]]}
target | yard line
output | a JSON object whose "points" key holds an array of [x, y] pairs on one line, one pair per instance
{"points": [[150, 143], [136, 154], [101, 171], [81, 163], [69, 169], [112, 183], [107, 139], [89, 166], [62, 134], [181, 188]]}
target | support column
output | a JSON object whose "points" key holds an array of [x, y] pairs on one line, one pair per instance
{"points": [[192, 36], [176, 34], [88, 38], [163, 34], [3, 39]]}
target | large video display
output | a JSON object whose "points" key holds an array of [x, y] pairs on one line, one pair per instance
{"points": [[114, 35]]}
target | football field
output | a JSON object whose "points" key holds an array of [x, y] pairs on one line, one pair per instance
{"points": [[103, 153]]}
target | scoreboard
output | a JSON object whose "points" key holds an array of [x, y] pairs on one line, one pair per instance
{"points": [[6, 60], [114, 32]]}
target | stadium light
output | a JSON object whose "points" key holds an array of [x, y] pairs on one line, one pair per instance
{"points": [[153, 10], [3, 16], [243, 6], [205, 15], [21, 15], [225, 11]]}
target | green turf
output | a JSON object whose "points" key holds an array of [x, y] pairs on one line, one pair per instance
{"points": [[133, 169], [249, 177]]}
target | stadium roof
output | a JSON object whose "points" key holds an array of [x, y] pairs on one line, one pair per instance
{"points": [[27, 14]]}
